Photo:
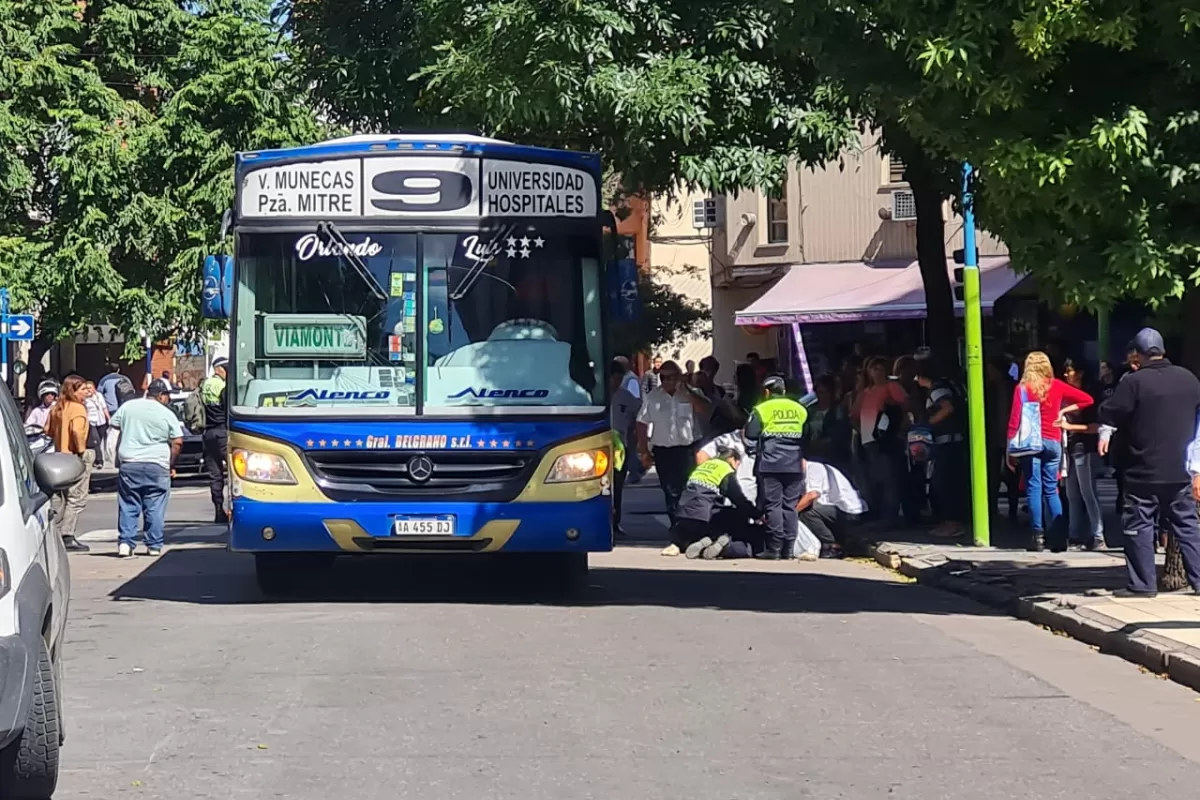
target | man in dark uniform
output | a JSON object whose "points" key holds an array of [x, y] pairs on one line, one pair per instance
{"points": [[216, 437], [1157, 407], [776, 428]]}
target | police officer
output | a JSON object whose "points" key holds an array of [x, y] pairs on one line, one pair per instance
{"points": [[216, 436], [707, 488], [775, 428]]}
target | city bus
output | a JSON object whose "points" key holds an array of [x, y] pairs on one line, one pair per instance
{"points": [[417, 353]]}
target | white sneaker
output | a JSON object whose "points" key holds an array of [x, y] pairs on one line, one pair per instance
{"points": [[124, 551], [670, 550], [807, 557]]}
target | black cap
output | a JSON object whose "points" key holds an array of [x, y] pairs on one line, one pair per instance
{"points": [[158, 388], [775, 385], [1148, 342]]}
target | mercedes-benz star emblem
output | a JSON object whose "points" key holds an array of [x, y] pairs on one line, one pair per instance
{"points": [[420, 469]]}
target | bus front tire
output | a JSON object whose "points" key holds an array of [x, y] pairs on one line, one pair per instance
{"points": [[288, 573]]}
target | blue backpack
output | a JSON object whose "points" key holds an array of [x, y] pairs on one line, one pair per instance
{"points": [[1027, 441]]}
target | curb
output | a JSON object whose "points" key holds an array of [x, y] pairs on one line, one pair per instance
{"points": [[1142, 647]]}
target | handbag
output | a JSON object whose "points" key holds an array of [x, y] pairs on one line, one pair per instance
{"points": [[1027, 441]]}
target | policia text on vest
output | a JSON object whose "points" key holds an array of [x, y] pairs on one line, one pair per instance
{"points": [[776, 427]]}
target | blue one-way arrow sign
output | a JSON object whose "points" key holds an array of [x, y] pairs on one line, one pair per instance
{"points": [[21, 328]]}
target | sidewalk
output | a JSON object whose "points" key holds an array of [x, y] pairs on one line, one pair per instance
{"points": [[1067, 592]]}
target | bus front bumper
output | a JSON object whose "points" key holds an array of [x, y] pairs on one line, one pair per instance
{"points": [[262, 527]]}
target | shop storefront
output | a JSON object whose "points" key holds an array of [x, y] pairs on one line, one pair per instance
{"points": [[823, 313]]}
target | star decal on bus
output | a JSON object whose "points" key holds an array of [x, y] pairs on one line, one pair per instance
{"points": [[522, 246]]}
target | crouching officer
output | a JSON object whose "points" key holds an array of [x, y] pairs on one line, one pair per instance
{"points": [[775, 427], [709, 485]]}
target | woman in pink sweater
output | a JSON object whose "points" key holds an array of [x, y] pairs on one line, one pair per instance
{"points": [[1040, 471]]}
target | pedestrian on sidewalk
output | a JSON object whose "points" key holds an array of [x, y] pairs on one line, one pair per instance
{"points": [[216, 437], [668, 430], [1156, 407], [624, 409], [776, 428], [1085, 519], [150, 439], [1054, 398], [68, 427], [877, 415], [97, 412], [946, 415]]}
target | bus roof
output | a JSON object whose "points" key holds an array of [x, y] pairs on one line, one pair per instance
{"points": [[361, 144]]}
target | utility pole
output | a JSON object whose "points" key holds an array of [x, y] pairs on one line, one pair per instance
{"points": [[973, 318]]}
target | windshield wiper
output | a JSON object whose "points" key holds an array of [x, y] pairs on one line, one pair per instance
{"points": [[488, 252], [334, 235]]}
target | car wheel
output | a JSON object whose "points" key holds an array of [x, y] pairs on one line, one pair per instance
{"points": [[281, 574], [29, 766]]}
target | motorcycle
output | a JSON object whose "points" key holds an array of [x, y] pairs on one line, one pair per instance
{"points": [[39, 441]]}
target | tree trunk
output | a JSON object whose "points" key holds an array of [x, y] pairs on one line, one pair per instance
{"points": [[941, 330], [34, 371], [1173, 576]]}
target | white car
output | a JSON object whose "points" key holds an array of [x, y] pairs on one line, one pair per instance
{"points": [[35, 587]]}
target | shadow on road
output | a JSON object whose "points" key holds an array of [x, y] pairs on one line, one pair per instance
{"points": [[212, 576]]}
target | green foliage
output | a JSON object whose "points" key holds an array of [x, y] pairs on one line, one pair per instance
{"points": [[118, 125], [667, 317], [665, 89], [1082, 116]]}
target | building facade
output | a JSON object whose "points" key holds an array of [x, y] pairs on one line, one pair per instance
{"points": [[837, 246]]}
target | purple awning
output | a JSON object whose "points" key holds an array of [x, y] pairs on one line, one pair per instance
{"points": [[852, 291]]}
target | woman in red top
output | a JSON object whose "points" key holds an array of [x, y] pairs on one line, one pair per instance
{"points": [[1040, 471]]}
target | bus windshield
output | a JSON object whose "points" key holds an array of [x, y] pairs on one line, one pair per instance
{"points": [[440, 323]]}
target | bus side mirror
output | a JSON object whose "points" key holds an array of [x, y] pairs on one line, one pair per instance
{"points": [[216, 293]]}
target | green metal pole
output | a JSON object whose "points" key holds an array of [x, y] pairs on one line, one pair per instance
{"points": [[973, 318]]}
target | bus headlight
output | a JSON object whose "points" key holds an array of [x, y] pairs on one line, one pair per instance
{"points": [[582, 466], [261, 467]]}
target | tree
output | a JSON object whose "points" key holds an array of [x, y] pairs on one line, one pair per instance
{"points": [[666, 90], [119, 142], [1082, 117], [666, 317]]}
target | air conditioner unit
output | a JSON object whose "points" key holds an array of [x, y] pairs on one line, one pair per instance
{"points": [[706, 214], [904, 206]]}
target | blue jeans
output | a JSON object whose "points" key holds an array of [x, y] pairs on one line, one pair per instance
{"points": [[1041, 484], [142, 490], [1087, 521]]}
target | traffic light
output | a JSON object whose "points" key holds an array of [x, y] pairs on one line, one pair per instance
{"points": [[959, 258]]}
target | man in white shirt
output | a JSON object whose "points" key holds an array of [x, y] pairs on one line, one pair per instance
{"points": [[826, 492], [668, 428]]}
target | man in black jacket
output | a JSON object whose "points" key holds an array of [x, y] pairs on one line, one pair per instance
{"points": [[1156, 409]]}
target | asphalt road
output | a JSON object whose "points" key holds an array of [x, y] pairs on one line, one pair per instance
{"points": [[665, 679]]}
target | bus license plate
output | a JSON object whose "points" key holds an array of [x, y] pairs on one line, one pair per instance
{"points": [[442, 525]]}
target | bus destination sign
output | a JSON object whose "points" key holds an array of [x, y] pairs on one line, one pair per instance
{"points": [[335, 336], [417, 186]]}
